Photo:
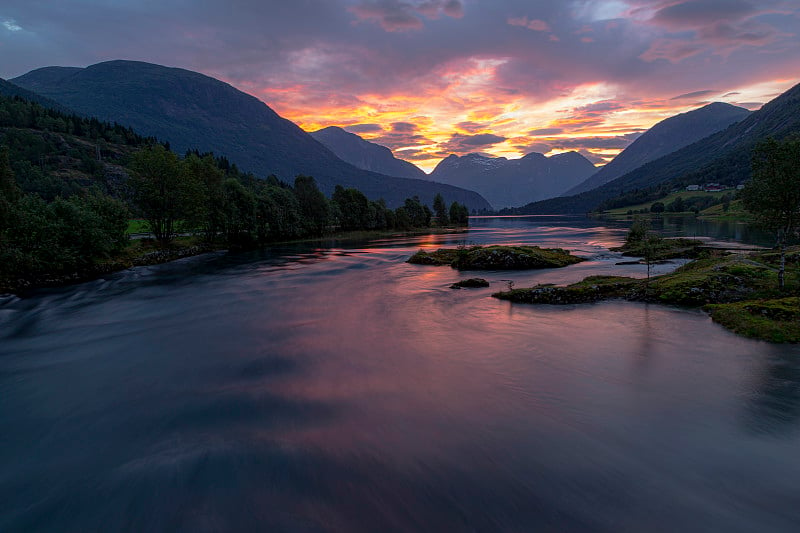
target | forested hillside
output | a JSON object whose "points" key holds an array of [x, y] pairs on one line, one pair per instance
{"points": [[69, 186]]}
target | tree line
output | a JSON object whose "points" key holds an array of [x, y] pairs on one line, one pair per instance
{"points": [[203, 194], [55, 223]]}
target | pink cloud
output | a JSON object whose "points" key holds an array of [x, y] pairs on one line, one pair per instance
{"points": [[532, 24]]}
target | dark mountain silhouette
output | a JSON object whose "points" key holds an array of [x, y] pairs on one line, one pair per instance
{"points": [[664, 138], [506, 182], [9, 89], [723, 157], [191, 110], [364, 154]]}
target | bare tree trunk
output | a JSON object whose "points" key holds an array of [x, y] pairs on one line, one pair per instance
{"points": [[782, 270]]}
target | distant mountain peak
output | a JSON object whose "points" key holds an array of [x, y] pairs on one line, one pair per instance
{"points": [[505, 182], [365, 154]]}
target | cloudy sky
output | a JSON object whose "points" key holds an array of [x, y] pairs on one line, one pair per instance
{"points": [[432, 77]]}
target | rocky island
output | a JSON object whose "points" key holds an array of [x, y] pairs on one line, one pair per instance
{"points": [[739, 291], [496, 258]]}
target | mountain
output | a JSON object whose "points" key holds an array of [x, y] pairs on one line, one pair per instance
{"points": [[506, 182], [723, 157], [10, 90], [364, 154], [191, 110], [664, 138]]}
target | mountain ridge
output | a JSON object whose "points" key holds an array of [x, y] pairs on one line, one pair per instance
{"points": [[364, 154], [722, 157], [663, 138], [503, 181], [194, 111]]}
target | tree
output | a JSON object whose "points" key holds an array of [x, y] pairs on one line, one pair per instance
{"points": [[312, 203], [9, 192], [159, 190], [354, 209], [207, 211], [440, 209], [459, 214], [420, 215], [657, 207], [773, 193], [641, 241]]}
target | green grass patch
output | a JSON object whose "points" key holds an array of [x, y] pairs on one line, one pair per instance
{"points": [[137, 225], [496, 258], [666, 200], [776, 320]]}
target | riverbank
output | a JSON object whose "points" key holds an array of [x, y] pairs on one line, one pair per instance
{"points": [[147, 252], [738, 290]]}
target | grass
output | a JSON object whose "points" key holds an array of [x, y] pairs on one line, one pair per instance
{"points": [[775, 320], [740, 293], [496, 258], [623, 211], [736, 211], [137, 225]]}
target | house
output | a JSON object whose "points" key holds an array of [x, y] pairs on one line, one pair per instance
{"points": [[713, 187], [692, 187]]}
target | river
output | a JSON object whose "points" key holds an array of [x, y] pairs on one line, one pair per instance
{"points": [[334, 387]]}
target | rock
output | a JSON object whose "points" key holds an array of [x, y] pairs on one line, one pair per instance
{"points": [[470, 283]]}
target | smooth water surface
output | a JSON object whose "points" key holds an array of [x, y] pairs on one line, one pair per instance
{"points": [[338, 388]]}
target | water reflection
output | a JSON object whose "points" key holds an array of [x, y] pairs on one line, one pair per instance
{"points": [[341, 389], [775, 405]]}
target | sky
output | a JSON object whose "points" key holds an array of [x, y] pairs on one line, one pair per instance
{"points": [[428, 78]]}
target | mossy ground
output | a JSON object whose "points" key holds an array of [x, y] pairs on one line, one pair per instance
{"points": [[776, 320], [666, 249], [740, 292], [496, 258]]}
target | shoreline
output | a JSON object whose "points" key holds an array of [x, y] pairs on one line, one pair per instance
{"points": [[157, 256], [738, 291]]}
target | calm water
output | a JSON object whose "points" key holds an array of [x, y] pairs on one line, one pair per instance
{"points": [[341, 389]]}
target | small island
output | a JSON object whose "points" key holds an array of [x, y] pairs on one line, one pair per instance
{"points": [[496, 258], [740, 292]]}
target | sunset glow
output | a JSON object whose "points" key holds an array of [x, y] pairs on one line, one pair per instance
{"points": [[435, 77]]}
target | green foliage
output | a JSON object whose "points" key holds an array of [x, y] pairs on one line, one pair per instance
{"points": [[657, 207], [56, 217], [160, 190], [773, 195], [773, 320], [496, 258], [459, 214], [313, 204], [440, 210]]}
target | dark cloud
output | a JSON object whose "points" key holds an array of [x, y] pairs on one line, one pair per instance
{"points": [[695, 94], [364, 128], [539, 148], [599, 143], [698, 12], [481, 139], [317, 54], [460, 143], [472, 127], [546, 131], [404, 127], [402, 15]]}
